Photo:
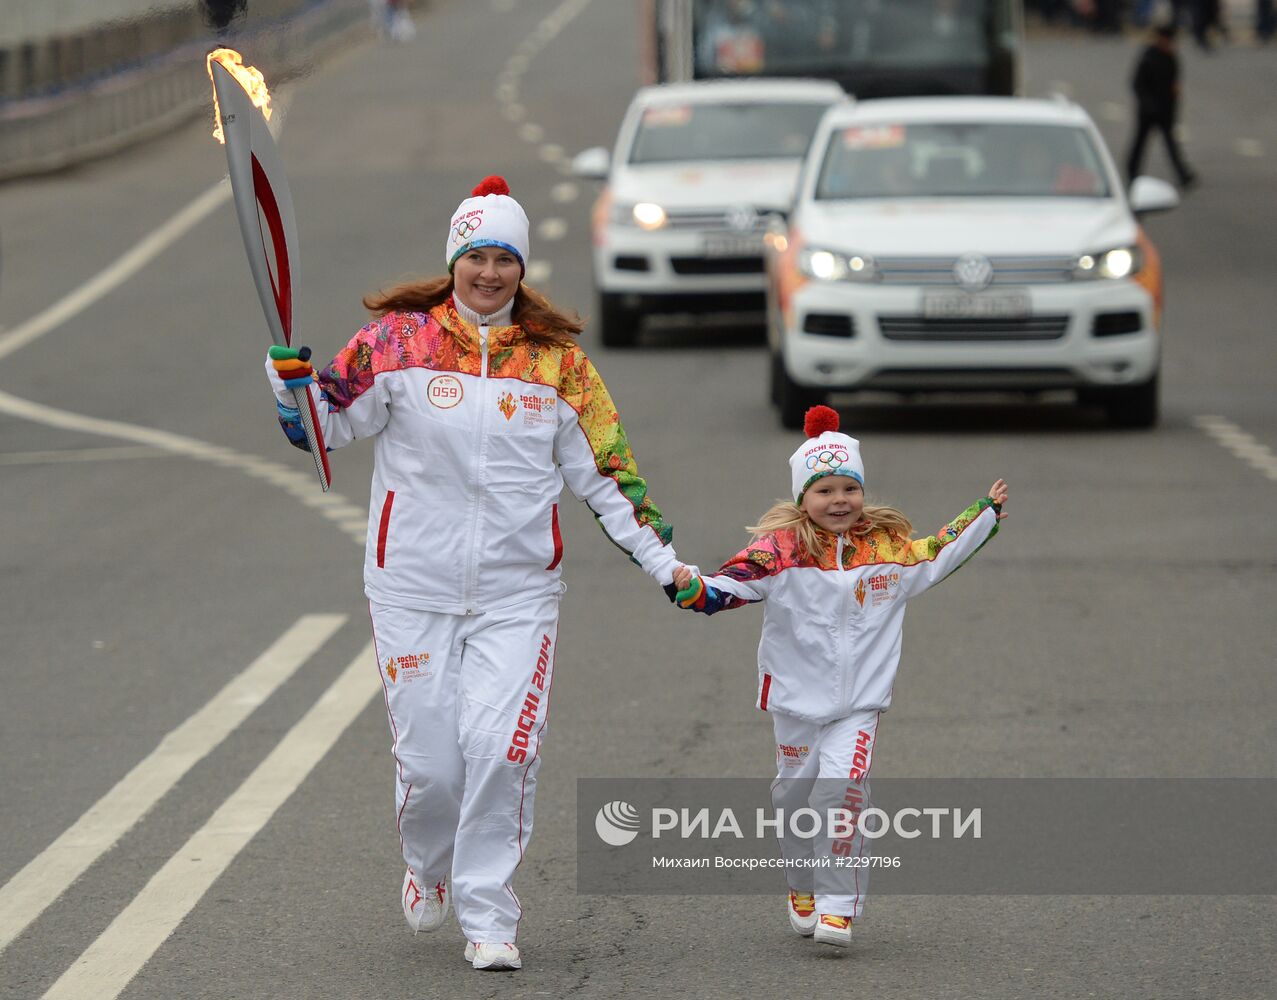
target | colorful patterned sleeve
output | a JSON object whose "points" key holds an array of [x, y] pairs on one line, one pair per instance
{"points": [[598, 465], [347, 399], [744, 579], [939, 555]]}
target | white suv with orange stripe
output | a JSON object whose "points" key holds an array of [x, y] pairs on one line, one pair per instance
{"points": [[965, 243], [698, 171]]}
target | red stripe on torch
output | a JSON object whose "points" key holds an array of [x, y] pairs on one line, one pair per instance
{"points": [[283, 290]]}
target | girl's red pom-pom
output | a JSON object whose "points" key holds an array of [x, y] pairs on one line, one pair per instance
{"points": [[820, 419], [491, 185]]}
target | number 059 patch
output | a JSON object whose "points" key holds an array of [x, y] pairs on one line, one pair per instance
{"points": [[444, 391]]}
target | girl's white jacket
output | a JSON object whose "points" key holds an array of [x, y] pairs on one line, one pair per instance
{"points": [[474, 438], [832, 621]]}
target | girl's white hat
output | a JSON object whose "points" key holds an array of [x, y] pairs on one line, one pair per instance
{"points": [[825, 452], [489, 218]]}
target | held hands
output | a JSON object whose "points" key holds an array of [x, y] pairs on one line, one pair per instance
{"points": [[998, 493], [692, 591]]}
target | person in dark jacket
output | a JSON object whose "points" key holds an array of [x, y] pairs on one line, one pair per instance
{"points": [[1156, 86]]}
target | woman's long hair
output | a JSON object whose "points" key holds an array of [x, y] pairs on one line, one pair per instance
{"points": [[539, 319], [785, 515]]}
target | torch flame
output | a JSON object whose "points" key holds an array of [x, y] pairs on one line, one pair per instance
{"points": [[248, 77]]}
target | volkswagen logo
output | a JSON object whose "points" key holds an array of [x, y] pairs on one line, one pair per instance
{"points": [[973, 271], [742, 218]]}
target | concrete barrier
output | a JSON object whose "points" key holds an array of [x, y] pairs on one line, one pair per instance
{"points": [[75, 110]]}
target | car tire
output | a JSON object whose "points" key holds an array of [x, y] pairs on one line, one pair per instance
{"points": [[791, 399], [1133, 406], [619, 322]]}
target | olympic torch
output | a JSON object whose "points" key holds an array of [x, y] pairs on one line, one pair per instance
{"points": [[265, 211]]}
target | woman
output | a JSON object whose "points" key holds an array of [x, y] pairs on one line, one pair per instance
{"points": [[481, 406]]}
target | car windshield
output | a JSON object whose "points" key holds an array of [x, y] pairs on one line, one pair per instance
{"points": [[669, 133], [999, 159]]}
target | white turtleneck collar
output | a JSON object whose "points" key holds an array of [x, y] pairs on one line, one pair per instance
{"points": [[502, 317]]}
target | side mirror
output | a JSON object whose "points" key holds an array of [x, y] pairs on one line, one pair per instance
{"points": [[1148, 194], [592, 164]]}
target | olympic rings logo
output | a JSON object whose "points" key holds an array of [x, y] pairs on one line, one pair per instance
{"points": [[828, 458], [465, 227]]}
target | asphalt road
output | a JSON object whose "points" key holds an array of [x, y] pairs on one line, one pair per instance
{"points": [[1114, 629]]}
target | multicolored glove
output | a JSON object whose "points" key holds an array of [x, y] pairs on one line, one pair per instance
{"points": [[700, 597], [292, 364]]}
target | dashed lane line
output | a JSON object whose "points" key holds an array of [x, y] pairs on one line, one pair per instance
{"points": [[1240, 443], [43, 879], [109, 963], [60, 456]]}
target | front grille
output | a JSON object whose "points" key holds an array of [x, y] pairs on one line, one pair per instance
{"points": [[995, 329], [717, 265], [1114, 323], [970, 379], [1006, 270], [829, 325], [714, 219]]}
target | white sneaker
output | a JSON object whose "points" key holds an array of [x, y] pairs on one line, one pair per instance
{"points": [[425, 910], [486, 955], [834, 929], [802, 912]]}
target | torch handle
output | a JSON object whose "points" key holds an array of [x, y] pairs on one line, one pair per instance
{"points": [[302, 400]]}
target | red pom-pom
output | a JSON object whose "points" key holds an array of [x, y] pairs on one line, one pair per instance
{"points": [[491, 185], [818, 420]]}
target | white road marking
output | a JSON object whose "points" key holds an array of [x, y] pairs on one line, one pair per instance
{"points": [[530, 132], [550, 152], [81, 455], [1243, 445], [564, 192], [25, 896], [539, 272], [1249, 147], [109, 963], [300, 485], [552, 229], [119, 272]]}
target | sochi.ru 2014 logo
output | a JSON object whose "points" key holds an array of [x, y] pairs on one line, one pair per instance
{"points": [[617, 823]]}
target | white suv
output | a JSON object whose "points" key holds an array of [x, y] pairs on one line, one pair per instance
{"points": [[698, 171], [965, 243]]}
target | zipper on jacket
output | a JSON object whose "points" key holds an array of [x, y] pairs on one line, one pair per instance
{"points": [[472, 556], [844, 667]]}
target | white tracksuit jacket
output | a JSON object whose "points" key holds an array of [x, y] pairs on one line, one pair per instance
{"points": [[474, 439], [832, 622]]}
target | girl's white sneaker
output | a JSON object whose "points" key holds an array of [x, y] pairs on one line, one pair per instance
{"points": [[802, 912], [487, 955], [424, 909], [834, 929]]}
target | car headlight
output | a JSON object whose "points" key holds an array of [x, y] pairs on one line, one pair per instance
{"points": [[1120, 262], [645, 215], [830, 265]]}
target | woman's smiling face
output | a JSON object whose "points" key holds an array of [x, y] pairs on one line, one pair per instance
{"points": [[486, 278]]}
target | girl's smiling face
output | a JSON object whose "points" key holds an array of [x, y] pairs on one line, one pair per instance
{"points": [[834, 503], [486, 278]]}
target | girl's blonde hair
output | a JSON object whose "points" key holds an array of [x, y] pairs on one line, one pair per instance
{"points": [[785, 515]]}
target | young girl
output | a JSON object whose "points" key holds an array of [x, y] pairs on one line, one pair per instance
{"points": [[835, 574]]}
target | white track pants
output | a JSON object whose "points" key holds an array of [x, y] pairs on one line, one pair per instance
{"points": [[468, 697], [839, 754]]}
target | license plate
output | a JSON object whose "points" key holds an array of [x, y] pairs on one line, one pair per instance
{"points": [[733, 245], [962, 306]]}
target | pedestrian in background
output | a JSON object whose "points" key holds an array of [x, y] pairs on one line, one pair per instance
{"points": [[1265, 20], [1157, 90], [834, 574], [481, 406]]}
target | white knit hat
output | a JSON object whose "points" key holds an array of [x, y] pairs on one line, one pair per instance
{"points": [[489, 218], [824, 453]]}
